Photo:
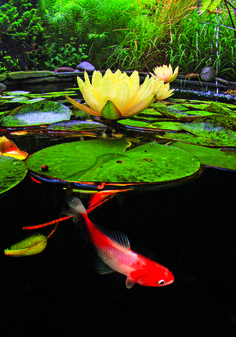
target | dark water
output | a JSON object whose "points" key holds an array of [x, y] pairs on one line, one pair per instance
{"points": [[188, 228]]}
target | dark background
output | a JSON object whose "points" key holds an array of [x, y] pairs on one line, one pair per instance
{"points": [[189, 228]]}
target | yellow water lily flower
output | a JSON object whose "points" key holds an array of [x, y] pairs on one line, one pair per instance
{"points": [[165, 73], [115, 95], [164, 92]]}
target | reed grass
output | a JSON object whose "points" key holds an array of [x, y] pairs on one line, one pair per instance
{"points": [[196, 46]]}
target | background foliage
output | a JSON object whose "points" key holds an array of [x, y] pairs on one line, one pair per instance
{"points": [[125, 34]]}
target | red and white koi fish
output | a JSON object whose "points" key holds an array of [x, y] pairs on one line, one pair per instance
{"points": [[114, 250]]}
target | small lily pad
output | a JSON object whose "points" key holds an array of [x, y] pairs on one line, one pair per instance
{"points": [[12, 172], [76, 126], [42, 112], [17, 92], [140, 124]]}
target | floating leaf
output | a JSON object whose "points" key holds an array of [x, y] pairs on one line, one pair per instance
{"points": [[76, 126], [221, 158], [12, 172], [67, 161], [106, 161], [17, 93], [205, 134], [9, 148], [133, 123], [42, 112], [35, 244], [149, 163]]}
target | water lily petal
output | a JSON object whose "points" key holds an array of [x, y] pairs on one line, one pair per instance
{"points": [[164, 92], [83, 107], [122, 97], [139, 106], [96, 79], [87, 81], [107, 90], [175, 74]]}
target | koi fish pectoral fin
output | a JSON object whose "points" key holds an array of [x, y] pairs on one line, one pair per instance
{"points": [[101, 267], [129, 283]]}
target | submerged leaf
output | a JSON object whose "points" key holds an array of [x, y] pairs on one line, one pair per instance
{"points": [[35, 244]]}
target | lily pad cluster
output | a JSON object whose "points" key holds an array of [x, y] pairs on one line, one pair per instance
{"points": [[196, 122]]}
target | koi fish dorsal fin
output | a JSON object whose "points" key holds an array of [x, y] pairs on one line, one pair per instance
{"points": [[118, 237], [76, 206]]}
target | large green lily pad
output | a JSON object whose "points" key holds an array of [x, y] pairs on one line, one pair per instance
{"points": [[43, 112], [107, 161], [12, 172]]}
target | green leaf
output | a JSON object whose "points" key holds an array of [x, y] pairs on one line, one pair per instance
{"points": [[106, 161], [42, 112], [110, 111], [35, 244], [67, 161], [205, 134], [12, 172], [168, 125], [149, 163], [219, 158], [209, 5], [76, 125]]}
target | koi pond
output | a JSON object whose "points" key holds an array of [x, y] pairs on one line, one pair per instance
{"points": [[165, 177]]}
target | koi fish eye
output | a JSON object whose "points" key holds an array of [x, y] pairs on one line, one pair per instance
{"points": [[161, 282]]}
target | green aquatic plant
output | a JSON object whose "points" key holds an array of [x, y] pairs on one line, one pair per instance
{"points": [[21, 34], [12, 172], [67, 54]]}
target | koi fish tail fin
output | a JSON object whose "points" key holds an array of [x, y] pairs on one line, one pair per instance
{"points": [[76, 207]]}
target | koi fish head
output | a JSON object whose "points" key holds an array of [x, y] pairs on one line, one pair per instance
{"points": [[156, 275]]}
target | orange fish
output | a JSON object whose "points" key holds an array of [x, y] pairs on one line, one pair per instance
{"points": [[114, 250]]}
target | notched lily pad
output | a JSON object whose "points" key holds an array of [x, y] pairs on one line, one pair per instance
{"points": [[42, 112], [106, 161]]}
